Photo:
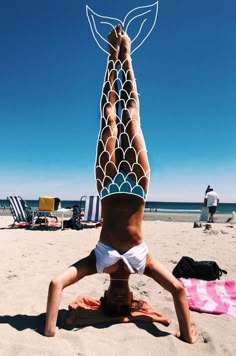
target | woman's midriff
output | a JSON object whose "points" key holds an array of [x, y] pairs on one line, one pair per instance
{"points": [[122, 221]]}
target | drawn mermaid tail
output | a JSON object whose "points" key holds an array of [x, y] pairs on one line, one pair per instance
{"points": [[121, 159], [138, 24], [121, 147]]}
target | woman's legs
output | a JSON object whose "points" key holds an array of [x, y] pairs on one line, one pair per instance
{"points": [[74, 273], [121, 146], [108, 135], [132, 141]]}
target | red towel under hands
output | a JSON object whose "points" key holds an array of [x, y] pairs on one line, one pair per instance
{"points": [[87, 311]]}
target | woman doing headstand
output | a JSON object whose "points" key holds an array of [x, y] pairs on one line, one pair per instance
{"points": [[122, 175]]}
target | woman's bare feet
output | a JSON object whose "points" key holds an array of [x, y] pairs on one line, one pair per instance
{"points": [[125, 47], [114, 39], [119, 44]]}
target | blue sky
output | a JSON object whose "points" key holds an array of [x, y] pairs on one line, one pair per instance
{"points": [[51, 74]]}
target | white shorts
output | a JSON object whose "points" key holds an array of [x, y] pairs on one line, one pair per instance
{"points": [[134, 258]]}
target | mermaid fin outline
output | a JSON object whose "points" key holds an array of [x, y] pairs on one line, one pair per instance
{"points": [[142, 13], [96, 25]]}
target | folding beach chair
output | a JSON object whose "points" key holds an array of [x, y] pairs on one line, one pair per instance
{"points": [[92, 211], [21, 212]]}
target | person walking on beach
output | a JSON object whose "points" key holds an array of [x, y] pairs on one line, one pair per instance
{"points": [[211, 201], [122, 176]]}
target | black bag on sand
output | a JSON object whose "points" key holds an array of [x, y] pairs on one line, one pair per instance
{"points": [[206, 270]]}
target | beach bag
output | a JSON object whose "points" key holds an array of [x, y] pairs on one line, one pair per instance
{"points": [[49, 203], [206, 270]]}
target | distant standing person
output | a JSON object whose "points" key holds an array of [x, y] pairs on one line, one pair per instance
{"points": [[211, 201]]}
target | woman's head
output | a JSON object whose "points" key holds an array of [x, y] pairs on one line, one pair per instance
{"points": [[117, 300]]}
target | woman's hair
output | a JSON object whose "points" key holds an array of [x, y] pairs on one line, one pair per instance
{"points": [[125, 310]]}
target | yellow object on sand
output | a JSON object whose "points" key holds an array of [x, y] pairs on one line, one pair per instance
{"points": [[49, 203]]}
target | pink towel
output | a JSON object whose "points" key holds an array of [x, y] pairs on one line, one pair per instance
{"points": [[87, 311], [216, 297]]}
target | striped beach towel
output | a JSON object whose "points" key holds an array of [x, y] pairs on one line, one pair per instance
{"points": [[216, 297]]}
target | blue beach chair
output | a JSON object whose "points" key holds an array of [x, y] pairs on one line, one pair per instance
{"points": [[92, 210], [21, 212]]}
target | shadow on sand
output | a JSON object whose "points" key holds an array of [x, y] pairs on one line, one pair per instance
{"points": [[36, 322]]}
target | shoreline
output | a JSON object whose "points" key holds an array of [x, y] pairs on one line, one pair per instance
{"points": [[182, 217], [161, 216]]}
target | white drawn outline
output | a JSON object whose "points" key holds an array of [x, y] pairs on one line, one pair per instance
{"points": [[119, 173], [91, 15], [122, 180]]}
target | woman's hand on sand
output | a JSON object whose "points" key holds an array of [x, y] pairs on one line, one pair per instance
{"points": [[51, 333], [191, 339]]}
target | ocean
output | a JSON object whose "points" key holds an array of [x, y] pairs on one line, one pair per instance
{"points": [[151, 206]]}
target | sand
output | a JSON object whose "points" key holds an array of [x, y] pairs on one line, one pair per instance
{"points": [[29, 259]]}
